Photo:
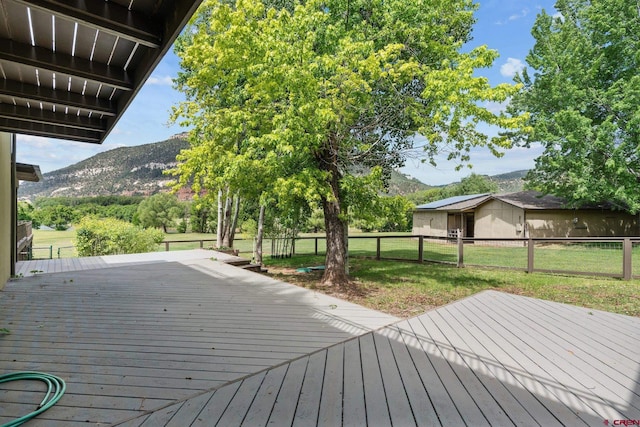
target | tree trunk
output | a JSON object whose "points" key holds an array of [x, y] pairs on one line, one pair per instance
{"points": [[226, 228], [234, 220], [259, 235], [220, 218], [335, 214], [335, 272]]}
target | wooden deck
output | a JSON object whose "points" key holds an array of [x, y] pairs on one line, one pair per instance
{"points": [[148, 333], [490, 360], [198, 343]]}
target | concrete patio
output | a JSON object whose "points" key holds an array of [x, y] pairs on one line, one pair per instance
{"points": [[178, 339]]}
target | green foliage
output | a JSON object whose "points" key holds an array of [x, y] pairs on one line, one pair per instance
{"points": [[108, 236], [26, 212], [58, 217], [392, 214], [42, 202], [159, 211], [472, 184], [582, 89], [297, 93], [181, 227], [202, 214], [249, 227]]}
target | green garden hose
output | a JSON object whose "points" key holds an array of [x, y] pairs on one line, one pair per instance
{"points": [[55, 389]]}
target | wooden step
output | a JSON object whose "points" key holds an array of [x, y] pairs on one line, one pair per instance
{"points": [[254, 267]]}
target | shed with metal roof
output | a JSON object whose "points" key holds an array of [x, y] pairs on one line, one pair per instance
{"points": [[520, 215]]}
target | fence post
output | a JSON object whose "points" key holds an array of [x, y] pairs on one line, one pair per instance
{"points": [[293, 246], [50, 251], [201, 244], [316, 241], [460, 249], [530, 255], [420, 249], [59, 253], [378, 248], [627, 247], [166, 246]]}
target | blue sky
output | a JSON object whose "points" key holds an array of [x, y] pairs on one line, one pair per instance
{"points": [[503, 25]]}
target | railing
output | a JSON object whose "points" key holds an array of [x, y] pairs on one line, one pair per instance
{"points": [[24, 238], [598, 256], [591, 256]]}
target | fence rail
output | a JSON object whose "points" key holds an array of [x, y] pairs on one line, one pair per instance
{"points": [[592, 256]]}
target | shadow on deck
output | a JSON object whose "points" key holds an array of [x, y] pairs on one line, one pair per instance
{"points": [[196, 342]]}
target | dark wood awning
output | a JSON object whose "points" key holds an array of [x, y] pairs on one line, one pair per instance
{"points": [[69, 69]]}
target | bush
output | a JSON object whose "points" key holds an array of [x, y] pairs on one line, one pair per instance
{"points": [[110, 236]]}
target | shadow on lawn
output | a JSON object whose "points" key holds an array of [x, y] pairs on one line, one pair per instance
{"points": [[391, 274]]}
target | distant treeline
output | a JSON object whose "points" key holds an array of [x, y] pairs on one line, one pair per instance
{"points": [[42, 202]]}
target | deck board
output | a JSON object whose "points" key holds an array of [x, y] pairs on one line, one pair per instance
{"points": [[479, 361], [189, 342], [142, 334]]}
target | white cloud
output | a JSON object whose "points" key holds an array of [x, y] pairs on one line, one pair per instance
{"points": [[160, 80], [514, 17], [521, 14], [496, 107], [511, 67]]}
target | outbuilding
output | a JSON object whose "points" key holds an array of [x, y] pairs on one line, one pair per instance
{"points": [[520, 215]]}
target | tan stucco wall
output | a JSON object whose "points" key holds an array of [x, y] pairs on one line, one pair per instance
{"points": [[590, 223], [5, 208], [497, 219], [430, 223]]}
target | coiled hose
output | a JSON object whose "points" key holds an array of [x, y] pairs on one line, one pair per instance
{"points": [[55, 389]]}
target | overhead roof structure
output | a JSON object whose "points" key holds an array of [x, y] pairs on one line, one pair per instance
{"points": [[27, 172], [70, 68]]}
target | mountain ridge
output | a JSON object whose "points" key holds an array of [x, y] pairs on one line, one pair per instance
{"points": [[138, 170]]}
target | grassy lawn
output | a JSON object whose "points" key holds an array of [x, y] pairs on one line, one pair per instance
{"points": [[63, 240], [407, 289]]}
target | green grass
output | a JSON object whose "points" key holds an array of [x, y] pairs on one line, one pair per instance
{"points": [[62, 240], [406, 289]]}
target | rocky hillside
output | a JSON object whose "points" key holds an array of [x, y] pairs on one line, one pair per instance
{"points": [[138, 171], [511, 181], [121, 171]]}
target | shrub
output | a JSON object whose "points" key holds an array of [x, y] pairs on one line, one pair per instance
{"points": [[109, 236]]}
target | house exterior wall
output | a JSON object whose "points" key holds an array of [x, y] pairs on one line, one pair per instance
{"points": [[497, 219], [6, 194], [582, 223], [430, 223]]}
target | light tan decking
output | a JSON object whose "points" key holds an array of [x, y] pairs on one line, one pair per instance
{"points": [[490, 360], [235, 348]]}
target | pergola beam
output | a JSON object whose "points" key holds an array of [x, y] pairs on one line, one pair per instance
{"points": [[50, 131], [35, 115], [108, 17], [44, 59], [26, 92]]}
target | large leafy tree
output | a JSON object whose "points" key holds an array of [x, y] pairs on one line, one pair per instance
{"points": [[159, 211], [582, 89], [306, 90]]}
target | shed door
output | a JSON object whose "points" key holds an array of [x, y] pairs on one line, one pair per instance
{"points": [[469, 222]]}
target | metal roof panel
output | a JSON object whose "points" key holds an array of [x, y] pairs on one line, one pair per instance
{"points": [[438, 204]]}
